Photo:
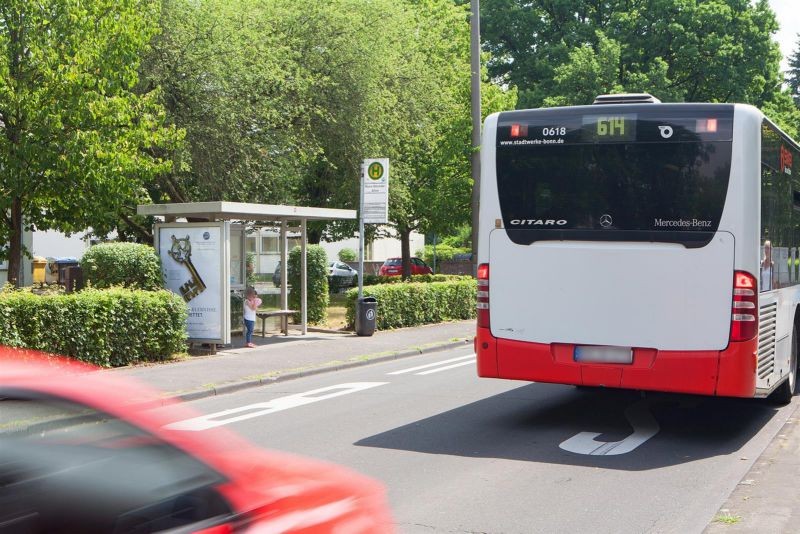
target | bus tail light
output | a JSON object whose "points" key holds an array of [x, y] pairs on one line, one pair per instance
{"points": [[483, 295], [744, 313]]}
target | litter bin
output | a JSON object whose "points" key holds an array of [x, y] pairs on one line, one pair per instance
{"points": [[366, 314], [63, 264], [39, 265]]}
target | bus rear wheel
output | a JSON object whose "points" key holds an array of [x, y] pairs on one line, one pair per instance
{"points": [[785, 392]]}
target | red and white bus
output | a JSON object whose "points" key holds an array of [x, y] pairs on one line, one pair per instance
{"points": [[640, 245]]}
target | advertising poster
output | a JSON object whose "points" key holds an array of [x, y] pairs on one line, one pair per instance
{"points": [[193, 262]]}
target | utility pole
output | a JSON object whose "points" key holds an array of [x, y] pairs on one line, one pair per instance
{"points": [[475, 85]]}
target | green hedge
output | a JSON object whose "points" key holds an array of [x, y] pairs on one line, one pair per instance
{"points": [[411, 304], [317, 283], [374, 279], [122, 264], [110, 328], [443, 253]]}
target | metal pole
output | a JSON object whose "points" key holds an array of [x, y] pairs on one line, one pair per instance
{"points": [[361, 238], [284, 270], [475, 60], [304, 276]]}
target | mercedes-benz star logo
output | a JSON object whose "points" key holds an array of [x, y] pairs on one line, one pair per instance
{"points": [[606, 221]]}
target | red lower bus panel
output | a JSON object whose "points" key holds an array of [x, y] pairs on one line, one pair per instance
{"points": [[486, 351], [730, 372], [737, 369]]}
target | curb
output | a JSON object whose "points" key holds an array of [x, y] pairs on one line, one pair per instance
{"points": [[231, 387]]}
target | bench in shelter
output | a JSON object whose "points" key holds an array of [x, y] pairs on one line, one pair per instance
{"points": [[283, 314]]}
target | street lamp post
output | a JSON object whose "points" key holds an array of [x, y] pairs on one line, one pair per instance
{"points": [[475, 85]]}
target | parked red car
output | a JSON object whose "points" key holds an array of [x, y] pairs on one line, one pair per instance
{"points": [[394, 267], [76, 456]]}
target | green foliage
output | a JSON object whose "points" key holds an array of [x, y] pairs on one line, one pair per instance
{"points": [[431, 174], [347, 254], [122, 264], [793, 74], [78, 144], [374, 279], [111, 327], [317, 281], [443, 253], [678, 50], [462, 238], [411, 304], [250, 267], [234, 77]]}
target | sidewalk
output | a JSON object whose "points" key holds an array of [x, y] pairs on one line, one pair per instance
{"points": [[279, 357], [767, 499]]}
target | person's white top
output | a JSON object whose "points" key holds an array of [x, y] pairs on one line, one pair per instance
{"points": [[250, 313]]}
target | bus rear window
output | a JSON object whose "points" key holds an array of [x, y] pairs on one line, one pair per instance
{"points": [[641, 178]]}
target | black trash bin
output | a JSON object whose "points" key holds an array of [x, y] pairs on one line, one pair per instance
{"points": [[366, 315], [63, 264]]}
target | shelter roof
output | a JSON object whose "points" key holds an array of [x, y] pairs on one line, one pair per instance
{"points": [[242, 211]]}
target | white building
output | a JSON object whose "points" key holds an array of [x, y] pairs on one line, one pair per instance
{"points": [[263, 242]]}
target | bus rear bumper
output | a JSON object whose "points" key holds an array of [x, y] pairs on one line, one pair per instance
{"points": [[730, 372]]}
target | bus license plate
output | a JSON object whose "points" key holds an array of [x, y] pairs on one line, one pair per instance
{"points": [[603, 354]]}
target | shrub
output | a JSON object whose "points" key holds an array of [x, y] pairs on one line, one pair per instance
{"points": [[317, 283], [250, 267], [411, 304], [110, 327], [347, 254], [122, 264]]}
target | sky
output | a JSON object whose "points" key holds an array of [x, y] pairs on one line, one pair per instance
{"points": [[788, 14]]}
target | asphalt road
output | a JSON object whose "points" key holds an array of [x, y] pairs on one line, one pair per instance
{"points": [[463, 454]]}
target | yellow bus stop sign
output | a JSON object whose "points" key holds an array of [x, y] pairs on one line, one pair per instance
{"points": [[375, 170]]}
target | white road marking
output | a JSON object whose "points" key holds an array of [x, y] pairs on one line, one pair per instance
{"points": [[446, 368], [644, 426], [436, 364], [258, 409]]}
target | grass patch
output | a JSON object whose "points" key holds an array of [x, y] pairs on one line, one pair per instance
{"points": [[728, 519]]}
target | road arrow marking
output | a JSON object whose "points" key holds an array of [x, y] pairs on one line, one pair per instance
{"points": [[258, 409], [644, 426]]}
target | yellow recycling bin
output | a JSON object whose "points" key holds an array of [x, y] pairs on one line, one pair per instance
{"points": [[39, 265]]}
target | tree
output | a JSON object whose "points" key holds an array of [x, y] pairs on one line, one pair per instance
{"points": [[77, 142], [793, 74], [431, 184], [715, 50], [234, 78]]}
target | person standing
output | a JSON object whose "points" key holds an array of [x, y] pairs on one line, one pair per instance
{"points": [[767, 267], [251, 304]]}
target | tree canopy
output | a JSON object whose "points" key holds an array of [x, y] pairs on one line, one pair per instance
{"points": [[77, 142], [281, 100], [678, 50]]}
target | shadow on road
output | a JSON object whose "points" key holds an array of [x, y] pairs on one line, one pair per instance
{"points": [[529, 422]]}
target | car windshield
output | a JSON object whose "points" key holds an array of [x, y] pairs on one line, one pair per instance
{"points": [[63, 455], [393, 261]]}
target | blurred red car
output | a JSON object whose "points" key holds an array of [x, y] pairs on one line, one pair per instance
{"points": [[76, 456], [394, 267]]}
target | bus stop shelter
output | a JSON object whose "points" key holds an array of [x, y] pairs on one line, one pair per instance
{"points": [[290, 219]]}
